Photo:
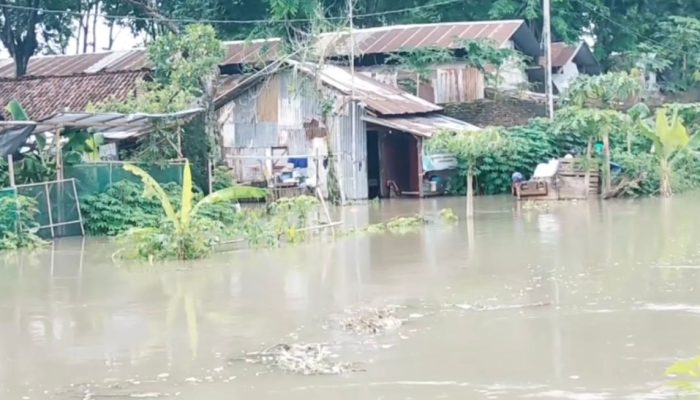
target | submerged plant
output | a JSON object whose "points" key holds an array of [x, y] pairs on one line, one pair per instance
{"points": [[18, 226], [286, 219], [686, 374], [448, 215], [668, 141], [184, 234]]}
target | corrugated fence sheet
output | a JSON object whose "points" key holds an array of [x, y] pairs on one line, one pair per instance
{"points": [[342, 131]]}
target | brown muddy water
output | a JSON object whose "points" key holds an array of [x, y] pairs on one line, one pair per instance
{"points": [[579, 301]]}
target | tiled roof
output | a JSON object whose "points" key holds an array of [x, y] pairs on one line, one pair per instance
{"points": [[42, 97]]}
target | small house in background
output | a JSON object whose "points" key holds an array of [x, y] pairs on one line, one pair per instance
{"points": [[305, 111], [568, 62], [448, 83]]}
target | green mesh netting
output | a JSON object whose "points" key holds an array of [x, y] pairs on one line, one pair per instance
{"points": [[96, 177], [59, 212], [58, 215]]}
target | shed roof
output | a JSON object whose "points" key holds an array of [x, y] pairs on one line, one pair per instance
{"points": [[115, 126], [563, 53], [388, 39], [423, 125], [378, 97], [42, 97]]}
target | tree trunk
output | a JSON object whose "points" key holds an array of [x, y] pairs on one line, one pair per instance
{"points": [[94, 26], [86, 30], [470, 192], [587, 175], [21, 64], [110, 43], [211, 123], [666, 189]]}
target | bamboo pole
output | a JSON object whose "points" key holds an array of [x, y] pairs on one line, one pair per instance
{"points": [[11, 170]]}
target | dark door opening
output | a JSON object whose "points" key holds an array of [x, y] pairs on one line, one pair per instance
{"points": [[374, 180], [400, 161]]}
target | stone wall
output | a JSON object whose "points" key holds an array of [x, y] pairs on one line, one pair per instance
{"points": [[506, 111]]}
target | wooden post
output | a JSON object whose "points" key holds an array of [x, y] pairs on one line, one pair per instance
{"points": [[606, 167], [80, 214], [47, 193], [210, 180], [587, 175], [59, 156], [419, 149], [179, 141], [470, 192], [11, 170]]}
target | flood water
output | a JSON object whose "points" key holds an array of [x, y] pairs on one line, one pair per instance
{"points": [[583, 300]]}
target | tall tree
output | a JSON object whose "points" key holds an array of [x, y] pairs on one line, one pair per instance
{"points": [[26, 29]]}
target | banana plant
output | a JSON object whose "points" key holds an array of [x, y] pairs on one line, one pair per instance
{"points": [[180, 221], [668, 140], [35, 166]]}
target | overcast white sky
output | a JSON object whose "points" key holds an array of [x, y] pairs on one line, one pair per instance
{"points": [[123, 40]]}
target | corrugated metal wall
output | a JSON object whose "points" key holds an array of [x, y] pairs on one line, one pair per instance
{"points": [[450, 83], [248, 132], [354, 185]]}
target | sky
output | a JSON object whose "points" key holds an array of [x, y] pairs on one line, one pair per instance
{"points": [[124, 39]]}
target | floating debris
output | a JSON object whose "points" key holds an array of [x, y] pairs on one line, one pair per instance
{"points": [[372, 321], [497, 307], [447, 215], [304, 359]]}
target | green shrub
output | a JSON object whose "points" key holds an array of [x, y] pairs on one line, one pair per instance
{"points": [[528, 145], [18, 225], [223, 178], [123, 206], [634, 166]]}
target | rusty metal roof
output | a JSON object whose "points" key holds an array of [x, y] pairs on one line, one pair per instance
{"points": [[422, 125], [377, 97], [237, 52], [562, 53], [367, 41], [581, 54], [389, 39], [252, 51]]}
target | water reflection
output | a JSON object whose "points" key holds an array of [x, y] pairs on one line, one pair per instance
{"points": [[617, 278]]}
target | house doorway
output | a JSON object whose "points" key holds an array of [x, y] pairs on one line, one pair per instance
{"points": [[392, 163], [399, 160]]}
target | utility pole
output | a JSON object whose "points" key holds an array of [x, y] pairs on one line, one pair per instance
{"points": [[353, 123], [547, 38]]}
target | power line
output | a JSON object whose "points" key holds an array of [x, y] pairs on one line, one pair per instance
{"points": [[226, 21], [639, 35]]}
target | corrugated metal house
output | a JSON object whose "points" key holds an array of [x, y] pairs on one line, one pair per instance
{"points": [[306, 110], [450, 82]]}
